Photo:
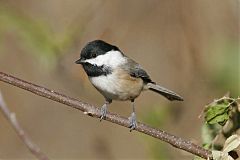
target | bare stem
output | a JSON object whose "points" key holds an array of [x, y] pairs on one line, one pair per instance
{"points": [[93, 111], [11, 117]]}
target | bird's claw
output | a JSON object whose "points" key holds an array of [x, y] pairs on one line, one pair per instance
{"points": [[132, 121], [103, 112]]}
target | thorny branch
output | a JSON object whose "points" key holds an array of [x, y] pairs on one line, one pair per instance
{"points": [[93, 111], [11, 117]]}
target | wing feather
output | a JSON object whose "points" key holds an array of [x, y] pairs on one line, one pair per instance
{"points": [[135, 70]]}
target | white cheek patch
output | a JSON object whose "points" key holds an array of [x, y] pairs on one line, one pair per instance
{"points": [[111, 59]]}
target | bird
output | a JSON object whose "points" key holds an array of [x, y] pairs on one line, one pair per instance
{"points": [[118, 77]]}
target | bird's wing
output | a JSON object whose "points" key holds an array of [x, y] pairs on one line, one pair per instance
{"points": [[135, 70]]}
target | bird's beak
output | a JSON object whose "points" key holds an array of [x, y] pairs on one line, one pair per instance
{"points": [[80, 61]]}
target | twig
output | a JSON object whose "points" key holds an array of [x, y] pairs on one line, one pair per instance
{"points": [[93, 111], [11, 117]]}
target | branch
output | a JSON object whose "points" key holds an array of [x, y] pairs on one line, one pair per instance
{"points": [[93, 111], [11, 117]]}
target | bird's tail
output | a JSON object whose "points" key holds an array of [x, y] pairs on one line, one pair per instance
{"points": [[170, 95]]}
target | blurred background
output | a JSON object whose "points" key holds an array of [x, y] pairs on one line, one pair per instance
{"points": [[188, 46]]}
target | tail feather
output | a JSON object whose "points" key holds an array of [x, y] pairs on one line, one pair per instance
{"points": [[170, 95]]}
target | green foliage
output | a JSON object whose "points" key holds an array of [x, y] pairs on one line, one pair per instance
{"points": [[218, 113], [222, 118], [209, 132]]}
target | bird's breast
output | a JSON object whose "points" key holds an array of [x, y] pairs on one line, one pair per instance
{"points": [[118, 85]]}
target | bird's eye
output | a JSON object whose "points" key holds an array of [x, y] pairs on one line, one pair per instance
{"points": [[94, 55]]}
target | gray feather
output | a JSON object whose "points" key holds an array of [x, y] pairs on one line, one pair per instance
{"points": [[135, 70], [165, 92]]}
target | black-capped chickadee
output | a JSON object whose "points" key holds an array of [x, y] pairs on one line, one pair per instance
{"points": [[117, 77]]}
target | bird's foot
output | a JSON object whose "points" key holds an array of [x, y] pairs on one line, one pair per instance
{"points": [[103, 112], [132, 121]]}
